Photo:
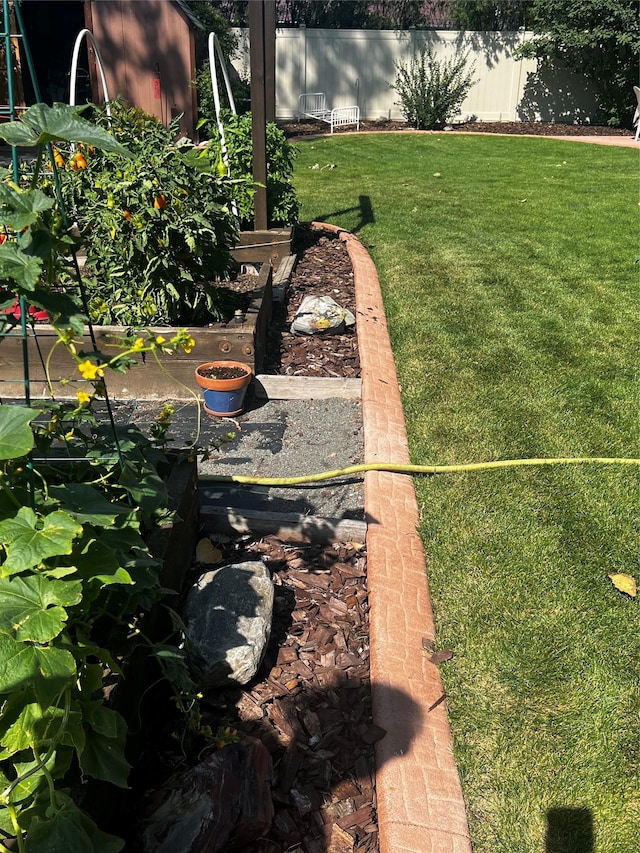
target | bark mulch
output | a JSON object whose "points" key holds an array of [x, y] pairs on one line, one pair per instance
{"points": [[518, 128], [323, 269], [311, 705]]}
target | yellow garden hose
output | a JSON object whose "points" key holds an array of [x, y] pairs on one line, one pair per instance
{"points": [[394, 468]]}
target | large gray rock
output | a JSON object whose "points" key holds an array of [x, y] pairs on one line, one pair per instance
{"points": [[228, 622], [222, 804]]}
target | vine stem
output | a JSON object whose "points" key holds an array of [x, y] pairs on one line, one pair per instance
{"points": [[16, 828], [5, 488], [191, 392]]}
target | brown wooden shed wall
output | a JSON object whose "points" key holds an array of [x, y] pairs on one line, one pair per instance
{"points": [[148, 52]]}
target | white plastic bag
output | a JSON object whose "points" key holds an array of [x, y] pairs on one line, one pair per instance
{"points": [[321, 315]]}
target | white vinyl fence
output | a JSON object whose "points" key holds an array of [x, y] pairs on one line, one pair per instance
{"points": [[357, 67]]}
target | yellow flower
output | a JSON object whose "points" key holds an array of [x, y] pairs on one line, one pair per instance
{"points": [[138, 344], [159, 340], [83, 399], [187, 343], [89, 370]]}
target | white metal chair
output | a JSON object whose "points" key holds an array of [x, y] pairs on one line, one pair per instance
{"points": [[636, 115]]}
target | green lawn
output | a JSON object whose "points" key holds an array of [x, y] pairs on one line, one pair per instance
{"points": [[510, 272]]}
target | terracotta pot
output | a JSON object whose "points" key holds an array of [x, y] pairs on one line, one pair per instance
{"points": [[224, 397]]}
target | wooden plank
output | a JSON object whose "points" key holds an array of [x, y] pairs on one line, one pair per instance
{"points": [[245, 342], [281, 277], [263, 246], [290, 527], [306, 387]]}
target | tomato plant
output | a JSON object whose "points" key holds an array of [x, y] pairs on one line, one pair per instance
{"points": [[157, 231], [282, 202]]}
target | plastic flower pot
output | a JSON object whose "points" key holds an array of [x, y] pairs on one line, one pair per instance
{"points": [[224, 385]]}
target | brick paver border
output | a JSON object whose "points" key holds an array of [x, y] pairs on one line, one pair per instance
{"points": [[419, 797]]}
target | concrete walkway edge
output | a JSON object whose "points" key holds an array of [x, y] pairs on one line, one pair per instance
{"points": [[419, 797]]}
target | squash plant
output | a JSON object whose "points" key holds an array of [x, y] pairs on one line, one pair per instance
{"points": [[77, 500]]}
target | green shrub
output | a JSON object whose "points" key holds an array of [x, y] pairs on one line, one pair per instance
{"points": [[282, 202], [431, 90], [240, 89], [157, 231]]}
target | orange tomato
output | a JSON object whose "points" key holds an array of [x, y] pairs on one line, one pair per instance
{"points": [[127, 215], [160, 202], [81, 163]]}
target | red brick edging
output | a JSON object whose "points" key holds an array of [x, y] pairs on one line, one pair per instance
{"points": [[419, 797]]}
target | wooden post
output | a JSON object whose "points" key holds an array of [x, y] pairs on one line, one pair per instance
{"points": [[258, 112], [270, 58], [262, 56]]}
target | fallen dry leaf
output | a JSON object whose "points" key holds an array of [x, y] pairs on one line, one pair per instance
{"points": [[625, 583], [207, 553]]}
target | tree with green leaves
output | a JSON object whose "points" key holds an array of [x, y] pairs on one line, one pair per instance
{"points": [[490, 15], [213, 20], [599, 39]]}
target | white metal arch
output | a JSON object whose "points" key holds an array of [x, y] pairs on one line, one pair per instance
{"points": [[216, 50], [74, 69]]}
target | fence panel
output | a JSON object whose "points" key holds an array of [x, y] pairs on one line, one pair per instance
{"points": [[357, 67]]}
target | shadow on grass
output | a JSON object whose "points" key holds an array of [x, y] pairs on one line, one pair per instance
{"points": [[569, 830]]}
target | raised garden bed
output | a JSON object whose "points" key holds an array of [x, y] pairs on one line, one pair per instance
{"points": [[244, 341]]}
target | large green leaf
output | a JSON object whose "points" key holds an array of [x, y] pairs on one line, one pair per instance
{"points": [[15, 265], [59, 123], [20, 209], [16, 133], [48, 670], [100, 563], [87, 505], [16, 437], [104, 721], [147, 488], [69, 830], [29, 540], [103, 754], [33, 606], [30, 725]]}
